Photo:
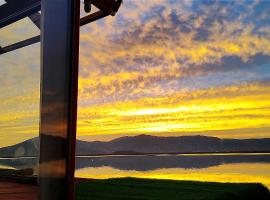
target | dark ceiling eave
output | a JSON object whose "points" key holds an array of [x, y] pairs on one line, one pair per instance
{"points": [[15, 10]]}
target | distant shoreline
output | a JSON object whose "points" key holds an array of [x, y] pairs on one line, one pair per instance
{"points": [[235, 153], [180, 154]]}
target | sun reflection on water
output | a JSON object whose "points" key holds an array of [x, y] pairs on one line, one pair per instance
{"points": [[233, 173]]}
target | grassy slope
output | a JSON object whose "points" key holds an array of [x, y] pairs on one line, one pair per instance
{"points": [[142, 189]]}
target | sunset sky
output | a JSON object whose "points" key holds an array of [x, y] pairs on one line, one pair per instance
{"points": [[158, 67]]}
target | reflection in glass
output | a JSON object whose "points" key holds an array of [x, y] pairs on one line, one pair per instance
{"points": [[19, 113]]}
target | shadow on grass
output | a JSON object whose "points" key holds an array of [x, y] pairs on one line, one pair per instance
{"points": [[152, 189]]}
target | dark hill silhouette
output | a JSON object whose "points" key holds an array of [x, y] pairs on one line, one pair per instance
{"points": [[28, 148], [182, 144], [144, 144]]}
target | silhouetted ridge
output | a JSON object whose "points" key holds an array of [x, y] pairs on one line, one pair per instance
{"points": [[143, 144], [29, 148]]}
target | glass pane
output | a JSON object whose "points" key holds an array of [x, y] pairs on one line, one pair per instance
{"points": [[19, 113], [174, 90]]}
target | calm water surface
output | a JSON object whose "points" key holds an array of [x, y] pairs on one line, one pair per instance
{"points": [[210, 167]]}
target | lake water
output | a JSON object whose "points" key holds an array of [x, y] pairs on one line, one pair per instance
{"points": [[208, 167]]}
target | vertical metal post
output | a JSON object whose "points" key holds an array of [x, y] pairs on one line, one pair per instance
{"points": [[59, 85]]}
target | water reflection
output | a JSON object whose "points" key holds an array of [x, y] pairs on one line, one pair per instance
{"points": [[18, 163], [235, 173], [217, 168], [214, 168], [148, 162], [152, 162]]}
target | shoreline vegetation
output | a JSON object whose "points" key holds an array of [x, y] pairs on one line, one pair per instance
{"points": [[155, 189]]}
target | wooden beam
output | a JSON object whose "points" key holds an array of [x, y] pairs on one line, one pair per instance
{"points": [[20, 45], [35, 18], [83, 21]]}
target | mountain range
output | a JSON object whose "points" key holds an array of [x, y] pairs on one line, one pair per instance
{"points": [[147, 144]]}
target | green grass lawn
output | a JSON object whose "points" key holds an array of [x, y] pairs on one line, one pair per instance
{"points": [[142, 189]]}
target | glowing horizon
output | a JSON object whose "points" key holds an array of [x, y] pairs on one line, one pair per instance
{"points": [[193, 115]]}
